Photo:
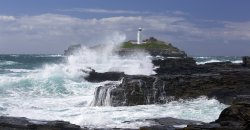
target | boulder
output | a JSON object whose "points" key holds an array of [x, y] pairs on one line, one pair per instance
{"points": [[235, 117], [21, 123]]}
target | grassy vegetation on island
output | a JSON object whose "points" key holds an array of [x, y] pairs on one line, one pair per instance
{"points": [[151, 43]]}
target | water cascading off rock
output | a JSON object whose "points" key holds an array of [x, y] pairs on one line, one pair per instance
{"points": [[133, 90]]}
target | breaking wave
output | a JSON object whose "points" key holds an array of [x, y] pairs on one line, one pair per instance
{"points": [[52, 88]]}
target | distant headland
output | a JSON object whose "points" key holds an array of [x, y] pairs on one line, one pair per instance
{"points": [[151, 45]]}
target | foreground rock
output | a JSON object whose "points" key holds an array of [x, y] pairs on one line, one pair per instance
{"points": [[246, 61], [235, 117], [141, 90], [21, 123], [168, 123]]}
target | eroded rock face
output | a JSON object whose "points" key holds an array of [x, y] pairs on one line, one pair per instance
{"points": [[141, 90], [136, 90]]}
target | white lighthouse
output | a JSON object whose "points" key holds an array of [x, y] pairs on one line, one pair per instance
{"points": [[139, 36]]}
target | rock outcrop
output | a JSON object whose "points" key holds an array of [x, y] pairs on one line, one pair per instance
{"points": [[21, 123], [177, 65], [246, 61], [141, 90], [235, 117], [167, 123]]}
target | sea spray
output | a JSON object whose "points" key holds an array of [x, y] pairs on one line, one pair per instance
{"points": [[104, 59], [102, 95], [41, 87]]}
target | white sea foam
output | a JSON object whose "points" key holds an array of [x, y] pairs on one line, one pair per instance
{"points": [[208, 61], [215, 60], [237, 61], [58, 92], [51, 55], [22, 70], [8, 63], [75, 110], [104, 59]]}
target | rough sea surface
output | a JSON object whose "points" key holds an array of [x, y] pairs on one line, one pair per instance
{"points": [[51, 87]]}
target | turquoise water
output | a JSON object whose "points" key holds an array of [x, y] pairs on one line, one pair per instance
{"points": [[51, 87], [28, 61]]}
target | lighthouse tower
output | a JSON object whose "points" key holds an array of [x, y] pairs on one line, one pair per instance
{"points": [[139, 36]]}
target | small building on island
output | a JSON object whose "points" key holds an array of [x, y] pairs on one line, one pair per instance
{"points": [[138, 41]]}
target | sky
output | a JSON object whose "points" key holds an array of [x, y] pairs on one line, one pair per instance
{"points": [[199, 27]]}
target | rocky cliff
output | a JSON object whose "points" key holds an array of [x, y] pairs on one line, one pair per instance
{"points": [[139, 90]]}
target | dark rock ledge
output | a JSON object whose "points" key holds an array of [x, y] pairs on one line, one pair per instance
{"points": [[22, 123], [141, 90]]}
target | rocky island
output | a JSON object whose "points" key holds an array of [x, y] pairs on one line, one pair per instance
{"points": [[177, 77]]}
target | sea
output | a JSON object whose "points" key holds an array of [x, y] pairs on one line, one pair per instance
{"points": [[52, 87]]}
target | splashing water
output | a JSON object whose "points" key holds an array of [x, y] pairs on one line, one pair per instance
{"points": [[105, 59], [50, 87]]}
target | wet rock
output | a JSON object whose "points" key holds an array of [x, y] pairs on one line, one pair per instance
{"points": [[157, 127], [246, 61], [103, 96], [107, 129], [235, 117], [211, 126], [21, 123], [134, 90], [175, 66], [168, 123], [94, 76], [141, 90]]}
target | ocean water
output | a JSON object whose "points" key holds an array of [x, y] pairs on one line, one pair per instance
{"points": [[51, 87], [209, 59]]}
